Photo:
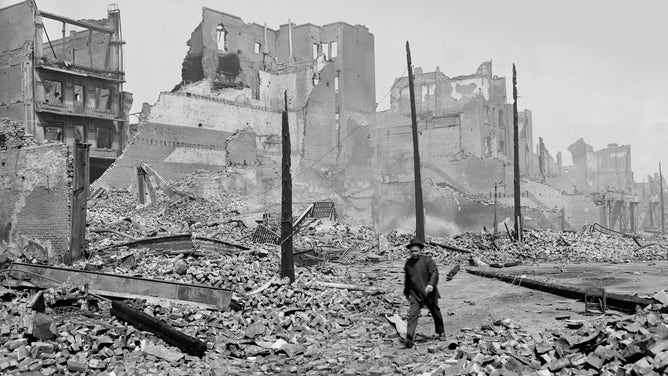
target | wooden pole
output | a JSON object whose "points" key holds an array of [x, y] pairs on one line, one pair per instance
{"points": [[663, 209], [141, 191], [287, 260], [80, 190], [516, 162], [419, 206], [496, 222]]}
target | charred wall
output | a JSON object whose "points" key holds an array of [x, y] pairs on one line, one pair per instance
{"points": [[35, 186]]}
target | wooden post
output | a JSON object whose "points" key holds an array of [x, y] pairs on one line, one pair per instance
{"points": [[496, 222], [287, 260], [563, 219], [516, 162], [419, 206], [80, 190], [141, 177], [663, 209]]}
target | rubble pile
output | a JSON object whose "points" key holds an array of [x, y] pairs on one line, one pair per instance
{"points": [[297, 324], [118, 210], [631, 345], [548, 246], [13, 135]]}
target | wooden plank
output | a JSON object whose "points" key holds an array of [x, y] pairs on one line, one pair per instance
{"points": [[166, 332], [80, 192], [48, 276]]}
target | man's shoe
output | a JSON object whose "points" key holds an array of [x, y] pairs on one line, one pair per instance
{"points": [[439, 336], [408, 343]]}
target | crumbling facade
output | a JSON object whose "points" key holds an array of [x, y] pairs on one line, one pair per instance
{"points": [[466, 147], [68, 89], [608, 169], [225, 115]]}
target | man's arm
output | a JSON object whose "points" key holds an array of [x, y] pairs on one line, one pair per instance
{"points": [[433, 272], [407, 285]]}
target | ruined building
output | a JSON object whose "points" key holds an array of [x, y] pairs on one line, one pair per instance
{"points": [[66, 87], [225, 114], [466, 148], [471, 111], [608, 169]]}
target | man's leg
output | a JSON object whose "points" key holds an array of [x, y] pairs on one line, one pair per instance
{"points": [[413, 315], [436, 315]]}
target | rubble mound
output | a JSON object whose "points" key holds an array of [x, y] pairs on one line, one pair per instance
{"points": [[13, 135]]}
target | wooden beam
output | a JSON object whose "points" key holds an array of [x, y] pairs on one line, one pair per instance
{"points": [[287, 259], [516, 163], [41, 276], [622, 302], [419, 206], [74, 22], [166, 332], [141, 191]]}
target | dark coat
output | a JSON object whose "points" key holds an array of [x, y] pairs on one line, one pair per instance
{"points": [[420, 272]]}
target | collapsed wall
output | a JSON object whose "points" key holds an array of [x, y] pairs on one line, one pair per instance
{"points": [[35, 192]]}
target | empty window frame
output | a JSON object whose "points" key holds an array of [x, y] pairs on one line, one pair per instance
{"points": [[333, 49], [257, 47], [53, 92], [104, 98], [221, 38], [425, 92], [336, 84], [315, 50], [79, 94], [53, 132], [79, 134], [104, 138]]}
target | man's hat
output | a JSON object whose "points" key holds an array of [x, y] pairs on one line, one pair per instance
{"points": [[415, 241]]}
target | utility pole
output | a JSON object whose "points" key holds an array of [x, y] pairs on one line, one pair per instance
{"points": [[516, 157], [419, 207], [663, 209], [496, 222], [287, 261]]}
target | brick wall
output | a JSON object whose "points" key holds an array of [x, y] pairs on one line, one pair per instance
{"points": [[17, 26], [172, 151], [35, 189]]}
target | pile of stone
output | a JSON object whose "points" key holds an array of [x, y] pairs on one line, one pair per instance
{"points": [[280, 326], [13, 135], [632, 345], [118, 210]]}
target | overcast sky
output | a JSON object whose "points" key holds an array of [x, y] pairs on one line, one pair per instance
{"points": [[591, 69]]}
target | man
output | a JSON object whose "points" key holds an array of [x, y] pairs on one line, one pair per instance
{"points": [[420, 289]]}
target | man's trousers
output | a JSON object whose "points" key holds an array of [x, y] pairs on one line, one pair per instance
{"points": [[414, 314]]}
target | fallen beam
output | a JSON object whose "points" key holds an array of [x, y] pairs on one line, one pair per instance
{"points": [[101, 230], [341, 286], [111, 285], [449, 247], [621, 302], [161, 329], [180, 242]]}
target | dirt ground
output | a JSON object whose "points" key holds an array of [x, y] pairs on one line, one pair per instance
{"points": [[469, 301]]}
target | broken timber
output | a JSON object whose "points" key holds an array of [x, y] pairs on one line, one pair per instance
{"points": [[621, 302], [449, 247], [180, 242], [116, 286], [166, 332]]}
